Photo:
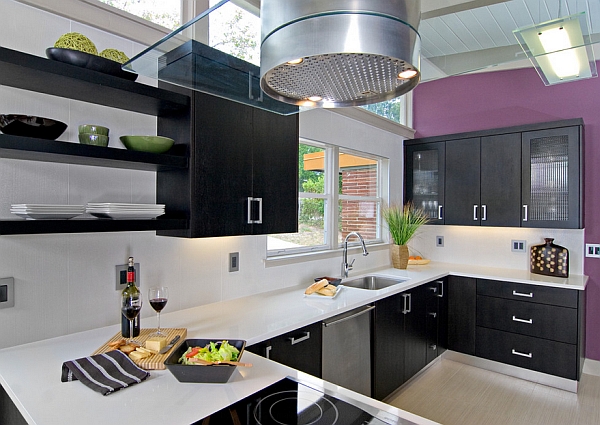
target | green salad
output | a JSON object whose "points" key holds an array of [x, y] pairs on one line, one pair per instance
{"points": [[213, 352]]}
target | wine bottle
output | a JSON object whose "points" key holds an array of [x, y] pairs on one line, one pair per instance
{"points": [[130, 289]]}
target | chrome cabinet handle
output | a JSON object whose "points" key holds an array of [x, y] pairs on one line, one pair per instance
{"points": [[295, 341], [522, 294], [433, 346], [483, 212], [439, 212], [268, 349], [407, 303], [517, 353], [475, 212], [433, 314], [526, 215], [441, 294], [250, 201], [516, 319]]}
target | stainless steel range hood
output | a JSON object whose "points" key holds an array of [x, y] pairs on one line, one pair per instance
{"points": [[352, 53], [339, 52]]}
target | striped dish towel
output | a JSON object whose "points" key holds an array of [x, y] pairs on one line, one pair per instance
{"points": [[105, 373]]}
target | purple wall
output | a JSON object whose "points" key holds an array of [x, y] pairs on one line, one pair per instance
{"points": [[515, 97]]}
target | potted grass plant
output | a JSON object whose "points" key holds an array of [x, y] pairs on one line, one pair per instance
{"points": [[403, 222]]}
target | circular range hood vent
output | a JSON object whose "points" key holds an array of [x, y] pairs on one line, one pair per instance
{"points": [[338, 53]]}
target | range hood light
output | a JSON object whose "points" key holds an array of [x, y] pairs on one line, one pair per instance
{"points": [[353, 51], [315, 98], [408, 74]]}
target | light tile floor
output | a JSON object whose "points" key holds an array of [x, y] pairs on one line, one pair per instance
{"points": [[453, 393]]}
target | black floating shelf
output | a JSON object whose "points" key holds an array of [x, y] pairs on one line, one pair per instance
{"points": [[35, 73], [30, 227], [27, 148]]}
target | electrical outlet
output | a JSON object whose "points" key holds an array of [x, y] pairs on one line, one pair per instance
{"points": [[518, 245], [439, 241], [592, 250], [121, 276], [234, 261], [7, 292]]}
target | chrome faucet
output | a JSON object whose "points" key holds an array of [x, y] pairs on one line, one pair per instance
{"points": [[345, 266]]}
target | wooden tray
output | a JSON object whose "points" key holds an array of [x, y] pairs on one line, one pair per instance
{"points": [[155, 361]]}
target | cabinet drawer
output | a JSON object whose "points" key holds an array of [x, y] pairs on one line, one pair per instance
{"points": [[524, 292], [541, 355], [526, 318]]}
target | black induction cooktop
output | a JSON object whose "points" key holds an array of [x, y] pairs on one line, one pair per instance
{"points": [[289, 402]]}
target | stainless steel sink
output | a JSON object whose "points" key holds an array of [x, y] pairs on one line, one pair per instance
{"points": [[373, 282]]}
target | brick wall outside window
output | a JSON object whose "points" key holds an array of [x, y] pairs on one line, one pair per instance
{"points": [[359, 216]]}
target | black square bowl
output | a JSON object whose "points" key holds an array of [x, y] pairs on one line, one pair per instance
{"points": [[212, 374]]}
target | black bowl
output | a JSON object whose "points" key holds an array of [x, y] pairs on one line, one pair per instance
{"points": [[212, 374], [86, 60], [30, 126]]}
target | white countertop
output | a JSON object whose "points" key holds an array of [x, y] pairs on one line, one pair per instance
{"points": [[30, 373]]}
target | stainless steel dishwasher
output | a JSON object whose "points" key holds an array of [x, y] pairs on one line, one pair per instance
{"points": [[347, 350]]}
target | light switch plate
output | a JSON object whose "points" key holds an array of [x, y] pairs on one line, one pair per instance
{"points": [[439, 241], [121, 276], [592, 250], [234, 261], [7, 291], [518, 245]]}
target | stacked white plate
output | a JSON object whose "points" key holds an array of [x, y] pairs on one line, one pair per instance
{"points": [[46, 211], [124, 211]]}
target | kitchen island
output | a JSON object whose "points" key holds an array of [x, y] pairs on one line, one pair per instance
{"points": [[30, 373]]}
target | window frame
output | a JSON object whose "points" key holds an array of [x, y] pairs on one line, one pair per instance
{"points": [[332, 199]]}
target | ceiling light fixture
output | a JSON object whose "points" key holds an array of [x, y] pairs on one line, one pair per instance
{"points": [[354, 52], [560, 49]]}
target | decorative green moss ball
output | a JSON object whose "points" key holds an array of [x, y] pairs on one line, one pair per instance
{"points": [[114, 55], [76, 41]]}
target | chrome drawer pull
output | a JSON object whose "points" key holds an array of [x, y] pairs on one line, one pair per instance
{"points": [[268, 349], [521, 294], [516, 353], [529, 321], [302, 338]]}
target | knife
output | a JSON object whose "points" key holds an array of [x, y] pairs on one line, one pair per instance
{"points": [[169, 345]]}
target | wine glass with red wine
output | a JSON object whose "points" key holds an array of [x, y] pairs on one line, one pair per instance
{"points": [[158, 296], [131, 304]]}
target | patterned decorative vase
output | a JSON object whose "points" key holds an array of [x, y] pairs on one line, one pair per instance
{"points": [[550, 259], [400, 256]]}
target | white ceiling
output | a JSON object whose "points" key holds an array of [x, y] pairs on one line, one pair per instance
{"points": [[459, 36]]}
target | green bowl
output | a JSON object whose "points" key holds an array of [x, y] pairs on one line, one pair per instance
{"points": [[93, 139], [154, 144], [93, 129]]}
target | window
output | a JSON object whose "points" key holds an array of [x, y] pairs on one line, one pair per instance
{"points": [[166, 13], [339, 192]]}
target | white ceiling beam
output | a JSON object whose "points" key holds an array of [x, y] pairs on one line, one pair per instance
{"points": [[435, 8]]}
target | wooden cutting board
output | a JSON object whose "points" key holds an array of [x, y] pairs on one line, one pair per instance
{"points": [[154, 361]]}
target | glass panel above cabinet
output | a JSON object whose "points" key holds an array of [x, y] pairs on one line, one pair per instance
{"points": [[188, 57]]}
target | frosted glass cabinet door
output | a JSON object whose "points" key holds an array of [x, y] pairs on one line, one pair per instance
{"points": [[551, 178], [424, 176]]}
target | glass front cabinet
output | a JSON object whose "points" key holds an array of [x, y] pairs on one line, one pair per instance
{"points": [[425, 176]]}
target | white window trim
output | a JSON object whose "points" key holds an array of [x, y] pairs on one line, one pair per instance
{"points": [[332, 198]]}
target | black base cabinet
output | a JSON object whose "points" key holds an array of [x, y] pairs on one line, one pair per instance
{"points": [[406, 335], [530, 326], [462, 310], [299, 349]]}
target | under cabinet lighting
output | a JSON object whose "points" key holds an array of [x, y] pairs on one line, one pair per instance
{"points": [[560, 49]]}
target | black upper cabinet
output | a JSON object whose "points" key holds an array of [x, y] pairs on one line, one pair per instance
{"points": [[483, 176], [243, 176], [552, 178], [463, 170], [425, 176], [528, 176], [501, 180]]}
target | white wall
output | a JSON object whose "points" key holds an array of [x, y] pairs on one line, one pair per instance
{"points": [[65, 283]]}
